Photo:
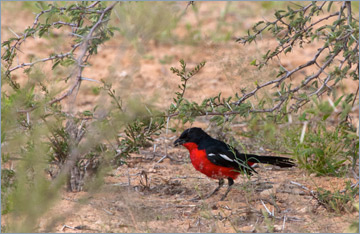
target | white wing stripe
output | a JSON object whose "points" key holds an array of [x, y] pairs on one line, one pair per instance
{"points": [[226, 157], [211, 155]]}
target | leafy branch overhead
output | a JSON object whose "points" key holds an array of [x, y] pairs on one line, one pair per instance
{"points": [[51, 138], [86, 39], [295, 28], [335, 60]]}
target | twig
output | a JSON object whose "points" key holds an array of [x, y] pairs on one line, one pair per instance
{"points": [[189, 3], [351, 186], [312, 193], [58, 56], [108, 212], [348, 7], [356, 95], [66, 226], [166, 134], [14, 33], [283, 225], [185, 206], [300, 185], [303, 131], [266, 208], [186, 177], [161, 159]]}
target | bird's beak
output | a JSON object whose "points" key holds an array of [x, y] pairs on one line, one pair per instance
{"points": [[179, 142]]}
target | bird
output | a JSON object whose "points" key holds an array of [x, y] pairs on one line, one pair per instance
{"points": [[220, 161]]}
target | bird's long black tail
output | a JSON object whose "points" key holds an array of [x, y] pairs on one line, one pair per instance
{"points": [[273, 160]]}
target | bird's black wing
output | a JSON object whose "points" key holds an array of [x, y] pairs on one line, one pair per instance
{"points": [[221, 154]]}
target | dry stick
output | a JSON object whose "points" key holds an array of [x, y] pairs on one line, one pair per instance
{"points": [[312, 193], [186, 177], [283, 226], [351, 186], [189, 3], [348, 6], [108, 212], [66, 226], [266, 208], [356, 94]]}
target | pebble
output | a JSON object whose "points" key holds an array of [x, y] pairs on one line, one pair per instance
{"points": [[277, 228], [247, 229], [268, 192]]}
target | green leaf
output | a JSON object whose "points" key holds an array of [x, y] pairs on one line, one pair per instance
{"points": [[288, 50], [336, 103], [87, 113], [329, 6], [55, 64], [302, 117]]}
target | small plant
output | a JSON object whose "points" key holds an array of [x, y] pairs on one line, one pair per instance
{"points": [[323, 151], [338, 201], [7, 185], [354, 226], [320, 147], [269, 221], [140, 123]]}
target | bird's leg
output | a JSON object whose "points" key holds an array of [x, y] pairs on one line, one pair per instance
{"points": [[221, 183], [231, 182]]}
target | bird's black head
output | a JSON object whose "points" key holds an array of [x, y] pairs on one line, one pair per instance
{"points": [[194, 135]]}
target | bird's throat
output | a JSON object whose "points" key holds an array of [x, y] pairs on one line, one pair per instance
{"points": [[190, 146]]}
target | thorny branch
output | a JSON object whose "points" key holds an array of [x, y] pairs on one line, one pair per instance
{"points": [[82, 46], [81, 60], [290, 35], [31, 31], [58, 56]]}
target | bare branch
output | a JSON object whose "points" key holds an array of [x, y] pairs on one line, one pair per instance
{"points": [[348, 7]]}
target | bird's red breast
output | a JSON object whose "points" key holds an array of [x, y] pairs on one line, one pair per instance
{"points": [[201, 163]]}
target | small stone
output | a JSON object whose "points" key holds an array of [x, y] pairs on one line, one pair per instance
{"points": [[277, 228], [313, 175], [303, 210], [166, 160], [268, 192], [247, 229]]}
